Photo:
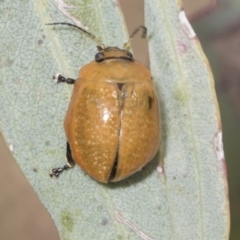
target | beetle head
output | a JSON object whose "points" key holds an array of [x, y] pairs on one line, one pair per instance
{"points": [[112, 53]]}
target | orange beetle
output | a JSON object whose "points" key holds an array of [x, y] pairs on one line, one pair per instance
{"points": [[112, 124]]}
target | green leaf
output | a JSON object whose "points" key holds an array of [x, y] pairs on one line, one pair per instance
{"points": [[194, 163], [182, 193]]}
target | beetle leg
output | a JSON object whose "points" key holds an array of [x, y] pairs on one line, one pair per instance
{"points": [[70, 160], [59, 78], [57, 171]]}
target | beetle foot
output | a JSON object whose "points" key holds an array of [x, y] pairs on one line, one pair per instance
{"points": [[59, 78], [57, 171]]}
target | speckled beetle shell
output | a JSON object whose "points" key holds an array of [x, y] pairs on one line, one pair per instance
{"points": [[112, 123]]}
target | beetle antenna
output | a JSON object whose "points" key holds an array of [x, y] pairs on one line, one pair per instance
{"points": [[85, 31], [144, 33]]}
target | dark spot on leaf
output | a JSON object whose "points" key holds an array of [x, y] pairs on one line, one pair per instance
{"points": [[119, 237], [104, 221], [67, 221]]}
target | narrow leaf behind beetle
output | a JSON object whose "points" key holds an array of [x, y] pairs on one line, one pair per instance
{"points": [[194, 164]]}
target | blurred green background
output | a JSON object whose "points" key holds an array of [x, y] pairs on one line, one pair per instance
{"points": [[217, 24]]}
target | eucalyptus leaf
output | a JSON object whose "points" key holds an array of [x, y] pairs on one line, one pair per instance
{"points": [[182, 193]]}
